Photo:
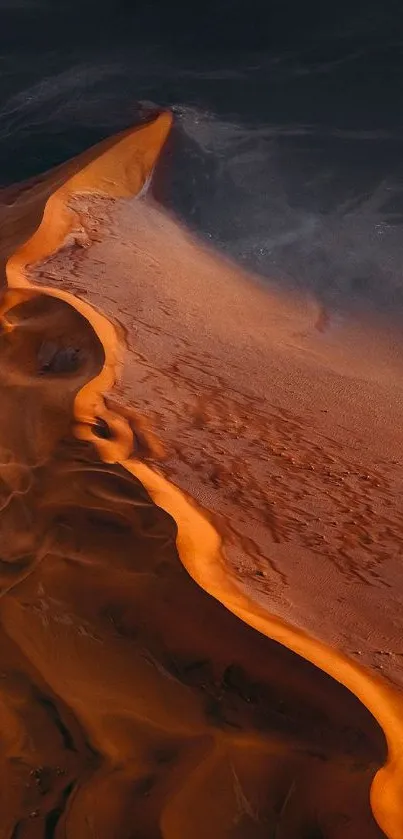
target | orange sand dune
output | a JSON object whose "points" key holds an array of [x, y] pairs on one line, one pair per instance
{"points": [[236, 440]]}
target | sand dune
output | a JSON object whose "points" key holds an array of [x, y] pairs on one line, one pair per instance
{"points": [[200, 533]]}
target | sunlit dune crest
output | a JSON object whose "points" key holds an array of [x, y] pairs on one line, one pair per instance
{"points": [[198, 532]]}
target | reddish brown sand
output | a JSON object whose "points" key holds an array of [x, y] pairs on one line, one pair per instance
{"points": [[200, 528]]}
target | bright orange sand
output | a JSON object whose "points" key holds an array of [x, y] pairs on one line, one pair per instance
{"points": [[185, 460]]}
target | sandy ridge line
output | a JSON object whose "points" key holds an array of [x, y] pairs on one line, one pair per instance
{"points": [[122, 171]]}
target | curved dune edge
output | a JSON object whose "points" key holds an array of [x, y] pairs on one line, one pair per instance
{"points": [[121, 171]]}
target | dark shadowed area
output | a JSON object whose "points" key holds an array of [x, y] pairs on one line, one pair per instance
{"points": [[287, 148]]}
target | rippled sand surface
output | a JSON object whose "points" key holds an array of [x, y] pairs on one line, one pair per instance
{"points": [[200, 533]]}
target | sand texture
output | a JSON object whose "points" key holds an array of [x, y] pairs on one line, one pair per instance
{"points": [[200, 532]]}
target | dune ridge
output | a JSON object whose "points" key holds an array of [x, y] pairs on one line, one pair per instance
{"points": [[122, 171]]}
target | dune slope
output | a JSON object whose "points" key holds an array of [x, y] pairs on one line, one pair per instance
{"points": [[156, 678]]}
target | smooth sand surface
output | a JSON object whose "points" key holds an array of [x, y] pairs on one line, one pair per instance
{"points": [[201, 530]]}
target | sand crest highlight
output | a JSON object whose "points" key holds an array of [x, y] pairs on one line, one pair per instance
{"points": [[121, 171]]}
